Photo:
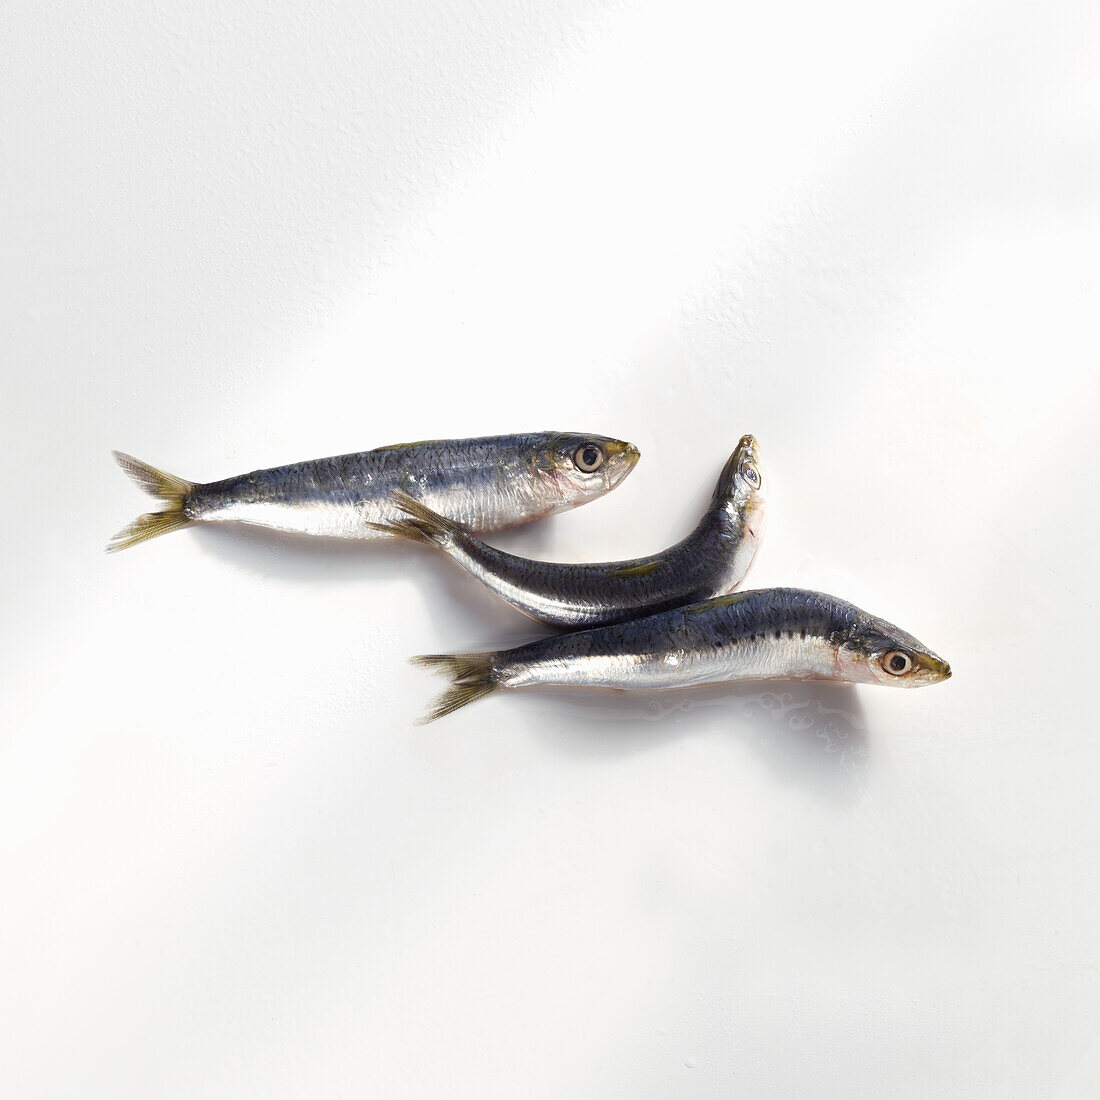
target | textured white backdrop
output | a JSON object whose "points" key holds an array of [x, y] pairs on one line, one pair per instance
{"points": [[233, 236]]}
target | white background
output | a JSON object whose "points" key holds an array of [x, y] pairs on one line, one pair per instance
{"points": [[239, 235]]}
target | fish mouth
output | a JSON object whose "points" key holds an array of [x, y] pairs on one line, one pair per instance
{"points": [[748, 447], [621, 459], [935, 668]]}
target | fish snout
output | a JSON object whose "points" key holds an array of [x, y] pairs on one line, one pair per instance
{"points": [[936, 669], [621, 459]]}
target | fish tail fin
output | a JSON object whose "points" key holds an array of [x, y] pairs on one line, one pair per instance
{"points": [[471, 679], [148, 526], [167, 487], [420, 523]]}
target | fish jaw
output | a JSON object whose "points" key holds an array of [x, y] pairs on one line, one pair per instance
{"points": [[622, 459]]}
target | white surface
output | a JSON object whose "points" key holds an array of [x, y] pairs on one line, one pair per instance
{"points": [[231, 865]]}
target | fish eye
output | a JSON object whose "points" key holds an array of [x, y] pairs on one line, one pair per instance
{"points": [[748, 472], [897, 663], [588, 458]]}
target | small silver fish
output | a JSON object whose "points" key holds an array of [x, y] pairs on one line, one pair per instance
{"points": [[768, 634], [485, 484], [711, 561]]}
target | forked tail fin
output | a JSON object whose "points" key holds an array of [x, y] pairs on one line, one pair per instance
{"points": [[471, 679], [167, 487]]}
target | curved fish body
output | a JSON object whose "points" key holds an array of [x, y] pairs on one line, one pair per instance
{"points": [[711, 561], [485, 484], [768, 634]]}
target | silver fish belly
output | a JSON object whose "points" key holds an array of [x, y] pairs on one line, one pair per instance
{"points": [[711, 561], [486, 484]]}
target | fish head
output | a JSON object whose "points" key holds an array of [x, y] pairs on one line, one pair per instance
{"points": [[742, 487], [574, 469], [877, 652]]}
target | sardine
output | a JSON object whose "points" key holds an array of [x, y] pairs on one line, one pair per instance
{"points": [[485, 484], [710, 562], [767, 634]]}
